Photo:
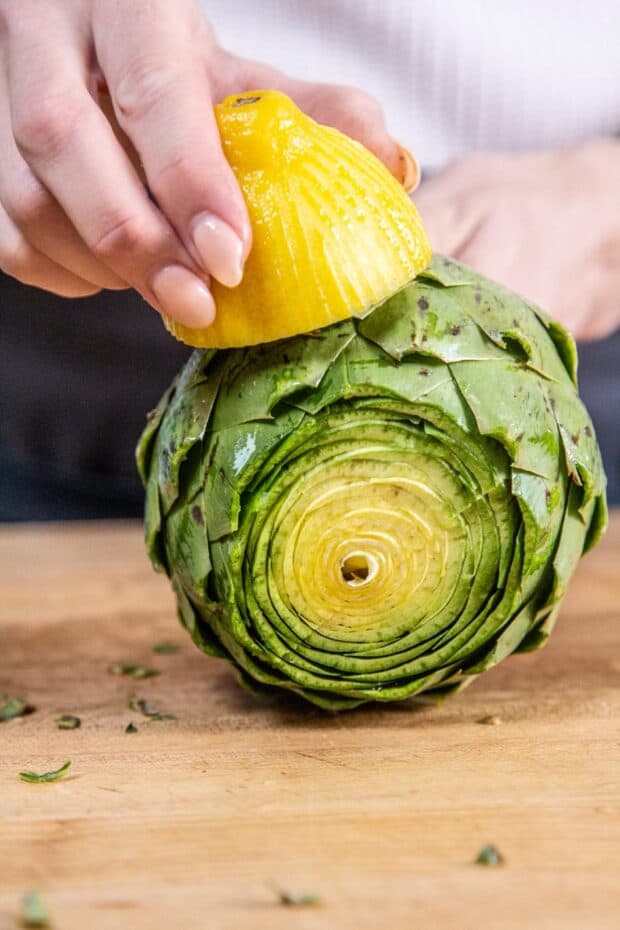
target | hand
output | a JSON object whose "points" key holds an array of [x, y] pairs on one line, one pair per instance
{"points": [[546, 225], [87, 84]]}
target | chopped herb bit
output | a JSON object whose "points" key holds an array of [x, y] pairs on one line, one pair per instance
{"points": [[10, 708], [56, 775], [142, 706], [489, 855], [134, 671], [68, 722], [146, 708], [131, 728], [298, 898], [165, 648], [491, 720], [34, 913]]}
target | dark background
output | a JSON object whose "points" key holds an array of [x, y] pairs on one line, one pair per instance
{"points": [[78, 376]]}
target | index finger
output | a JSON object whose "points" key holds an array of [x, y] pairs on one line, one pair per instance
{"points": [[69, 145], [152, 54]]}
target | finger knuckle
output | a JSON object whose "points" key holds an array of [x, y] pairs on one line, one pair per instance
{"points": [[182, 170], [121, 237], [361, 104], [45, 129], [144, 81]]}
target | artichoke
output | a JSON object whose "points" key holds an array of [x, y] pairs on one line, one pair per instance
{"points": [[388, 506], [394, 501]]}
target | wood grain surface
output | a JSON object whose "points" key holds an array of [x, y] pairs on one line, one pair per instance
{"points": [[196, 823]]}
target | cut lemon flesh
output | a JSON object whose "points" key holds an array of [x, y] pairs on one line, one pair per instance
{"points": [[334, 233]]}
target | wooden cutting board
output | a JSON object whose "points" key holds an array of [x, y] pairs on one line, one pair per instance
{"points": [[196, 823]]}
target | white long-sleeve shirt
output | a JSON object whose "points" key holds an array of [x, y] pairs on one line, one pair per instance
{"points": [[451, 75]]}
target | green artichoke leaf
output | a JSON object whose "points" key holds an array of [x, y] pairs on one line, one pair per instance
{"points": [[509, 322], [531, 441], [186, 419], [146, 442], [508, 640], [201, 633], [579, 445], [570, 543], [562, 340], [365, 370], [537, 637], [512, 327], [260, 378], [598, 523], [153, 525], [153, 517], [233, 457], [449, 273], [187, 546], [428, 321], [541, 507]]}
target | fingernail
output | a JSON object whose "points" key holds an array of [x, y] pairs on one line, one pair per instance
{"points": [[184, 296], [220, 249], [409, 169]]}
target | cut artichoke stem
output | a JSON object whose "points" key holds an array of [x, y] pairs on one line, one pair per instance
{"points": [[358, 568], [379, 526]]}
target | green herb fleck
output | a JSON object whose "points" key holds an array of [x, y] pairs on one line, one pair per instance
{"points": [[298, 898], [56, 775], [165, 648], [34, 913], [10, 708], [131, 728], [134, 671], [68, 722], [142, 706], [147, 710], [491, 720], [489, 855]]}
